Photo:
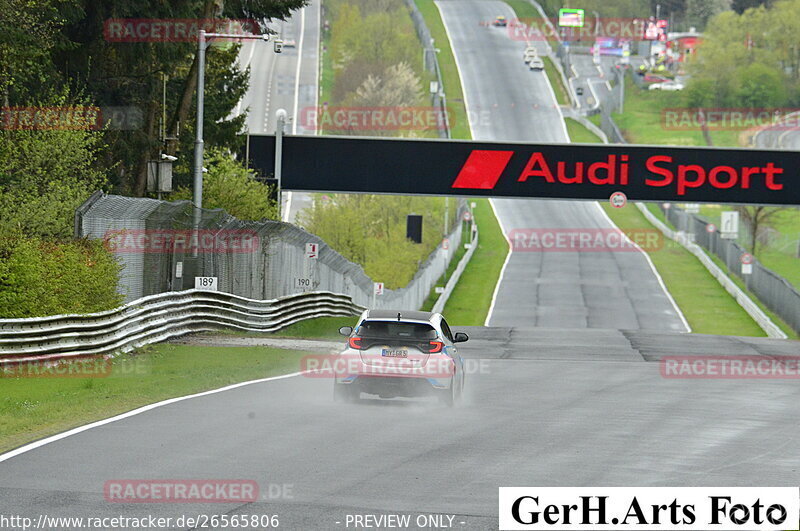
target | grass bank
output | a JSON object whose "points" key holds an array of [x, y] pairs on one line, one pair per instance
{"points": [[708, 308], [578, 133], [469, 303], [645, 120], [35, 407]]}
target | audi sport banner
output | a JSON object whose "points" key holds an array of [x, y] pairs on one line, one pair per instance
{"points": [[551, 171]]}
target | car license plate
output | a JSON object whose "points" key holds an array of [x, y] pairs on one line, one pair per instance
{"points": [[394, 353]]}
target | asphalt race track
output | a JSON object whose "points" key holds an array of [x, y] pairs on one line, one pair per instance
{"points": [[542, 407], [573, 289], [584, 404], [286, 81]]}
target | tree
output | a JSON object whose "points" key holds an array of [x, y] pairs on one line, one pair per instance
{"points": [[28, 32], [234, 188], [45, 174], [371, 230], [740, 6], [760, 86], [699, 12], [757, 218]]}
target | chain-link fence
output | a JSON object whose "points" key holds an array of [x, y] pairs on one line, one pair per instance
{"points": [[160, 251], [771, 289]]}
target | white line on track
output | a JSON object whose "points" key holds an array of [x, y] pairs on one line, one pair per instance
{"points": [[652, 268], [502, 270], [288, 209], [80, 429]]}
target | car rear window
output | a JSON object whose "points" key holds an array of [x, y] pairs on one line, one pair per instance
{"points": [[396, 330]]}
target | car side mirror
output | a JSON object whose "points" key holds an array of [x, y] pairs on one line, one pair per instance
{"points": [[346, 330], [460, 337]]}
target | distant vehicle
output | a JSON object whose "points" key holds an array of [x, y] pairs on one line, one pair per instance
{"points": [[530, 50], [667, 85], [579, 91], [536, 64], [500, 21], [530, 57], [289, 43], [400, 354]]}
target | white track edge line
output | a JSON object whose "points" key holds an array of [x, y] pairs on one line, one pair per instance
{"points": [[80, 429], [653, 269], [472, 134]]}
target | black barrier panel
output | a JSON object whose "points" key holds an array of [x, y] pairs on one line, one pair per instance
{"points": [[550, 171]]}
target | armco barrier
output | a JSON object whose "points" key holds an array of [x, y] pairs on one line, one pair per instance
{"points": [[156, 318], [452, 282], [752, 309]]}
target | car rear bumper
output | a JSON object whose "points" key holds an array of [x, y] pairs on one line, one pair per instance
{"points": [[391, 386]]}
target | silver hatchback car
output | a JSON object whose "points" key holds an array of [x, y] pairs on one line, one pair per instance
{"points": [[400, 354]]}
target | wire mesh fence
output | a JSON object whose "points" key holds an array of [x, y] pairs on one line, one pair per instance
{"points": [[161, 250], [773, 290]]}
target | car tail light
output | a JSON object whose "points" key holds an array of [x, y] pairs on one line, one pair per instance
{"points": [[355, 343], [435, 346]]}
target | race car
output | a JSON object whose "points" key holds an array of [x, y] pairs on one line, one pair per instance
{"points": [[500, 21], [400, 354]]}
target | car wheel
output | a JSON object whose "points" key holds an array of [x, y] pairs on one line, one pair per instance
{"points": [[345, 394], [448, 396]]}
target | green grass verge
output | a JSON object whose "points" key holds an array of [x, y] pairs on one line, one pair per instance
{"points": [[562, 96], [315, 328], [32, 408], [523, 9], [642, 121], [459, 254], [708, 308], [459, 124], [578, 133], [653, 208], [326, 75], [469, 303]]}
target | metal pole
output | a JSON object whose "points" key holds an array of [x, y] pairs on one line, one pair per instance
{"points": [[198, 142], [281, 114], [446, 216]]}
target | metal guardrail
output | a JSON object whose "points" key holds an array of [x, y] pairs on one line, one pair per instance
{"points": [[752, 309], [452, 282], [156, 318]]}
